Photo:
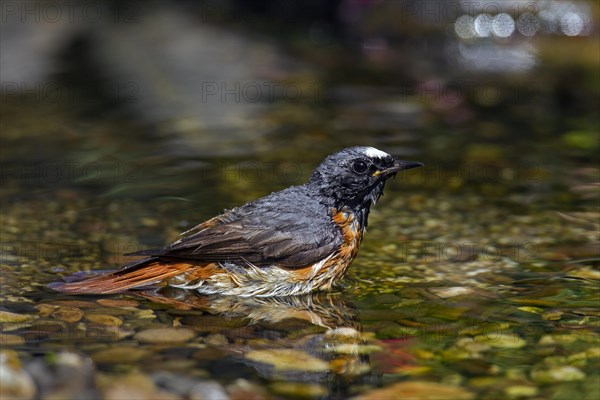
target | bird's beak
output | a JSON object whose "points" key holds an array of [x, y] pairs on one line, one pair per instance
{"points": [[398, 166]]}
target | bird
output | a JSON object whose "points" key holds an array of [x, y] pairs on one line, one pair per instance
{"points": [[292, 242]]}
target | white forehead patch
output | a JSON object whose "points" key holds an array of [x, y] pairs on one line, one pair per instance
{"points": [[375, 153]]}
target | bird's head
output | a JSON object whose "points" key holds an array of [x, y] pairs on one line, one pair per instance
{"points": [[356, 176]]}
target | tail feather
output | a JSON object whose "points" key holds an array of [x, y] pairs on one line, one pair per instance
{"points": [[140, 273]]}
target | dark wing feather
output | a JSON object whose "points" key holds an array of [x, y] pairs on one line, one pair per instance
{"points": [[289, 232]]}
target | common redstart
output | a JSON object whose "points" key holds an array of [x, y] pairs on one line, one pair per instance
{"points": [[292, 242]]}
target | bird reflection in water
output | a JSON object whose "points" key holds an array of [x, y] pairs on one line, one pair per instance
{"points": [[314, 337]]}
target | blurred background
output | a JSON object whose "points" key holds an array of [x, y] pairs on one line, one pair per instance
{"points": [[124, 123], [161, 87]]}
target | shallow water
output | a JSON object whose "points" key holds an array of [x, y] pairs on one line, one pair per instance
{"points": [[483, 283], [478, 276]]}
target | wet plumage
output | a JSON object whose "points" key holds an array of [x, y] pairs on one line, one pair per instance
{"points": [[291, 242]]}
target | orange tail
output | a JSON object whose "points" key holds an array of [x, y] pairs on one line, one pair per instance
{"points": [[140, 273]]}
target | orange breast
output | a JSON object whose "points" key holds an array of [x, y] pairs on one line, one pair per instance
{"points": [[351, 233], [335, 266]]}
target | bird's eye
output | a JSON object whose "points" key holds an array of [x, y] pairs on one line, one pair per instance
{"points": [[359, 166]]}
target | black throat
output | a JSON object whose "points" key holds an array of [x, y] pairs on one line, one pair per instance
{"points": [[359, 206]]}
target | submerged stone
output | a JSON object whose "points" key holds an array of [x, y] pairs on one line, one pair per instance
{"points": [[299, 390], [6, 316], [208, 390], [68, 314], [133, 386], [104, 319], [562, 373], [119, 354], [502, 340], [118, 303], [165, 335], [15, 382], [552, 315], [288, 360], [586, 273], [449, 292], [521, 391], [530, 309], [568, 338]]}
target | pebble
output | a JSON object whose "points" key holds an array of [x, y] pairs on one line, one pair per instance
{"points": [[134, 386], [45, 310], [349, 366], [165, 335], [501, 340], [552, 315], [177, 381], [64, 375], [449, 292], [150, 222], [104, 319], [113, 333], [117, 303], [562, 373], [570, 338], [208, 391], [593, 352], [521, 391], [586, 273], [288, 360], [423, 354], [6, 316], [15, 383], [472, 346], [68, 314], [299, 390], [242, 389], [119, 354], [421, 390], [145, 314]]}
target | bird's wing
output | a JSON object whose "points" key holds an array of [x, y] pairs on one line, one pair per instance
{"points": [[282, 235]]}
